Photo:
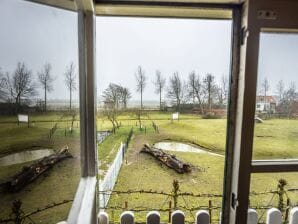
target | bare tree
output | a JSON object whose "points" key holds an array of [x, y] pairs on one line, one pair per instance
{"points": [[199, 91], [265, 89], [176, 90], [192, 86], [3, 83], [111, 95], [159, 85], [70, 81], [289, 99], [280, 89], [224, 88], [20, 85], [46, 80], [112, 115], [210, 89], [125, 95], [116, 94], [141, 82]]}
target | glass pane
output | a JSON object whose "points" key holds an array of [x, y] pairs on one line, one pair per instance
{"points": [[278, 190], [39, 128], [176, 73], [276, 124]]}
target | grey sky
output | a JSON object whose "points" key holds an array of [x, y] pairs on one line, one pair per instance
{"points": [[169, 45], [37, 34], [278, 59]]}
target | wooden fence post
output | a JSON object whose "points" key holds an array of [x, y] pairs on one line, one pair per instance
{"points": [[170, 210], [210, 211]]}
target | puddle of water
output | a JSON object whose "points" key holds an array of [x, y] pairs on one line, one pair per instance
{"points": [[182, 147], [26, 156]]}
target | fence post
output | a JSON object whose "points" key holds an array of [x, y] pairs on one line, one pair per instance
{"points": [[103, 218], [178, 217], [274, 216], [16, 209], [210, 211], [252, 216], [281, 192], [287, 210], [153, 217], [170, 210], [175, 193], [202, 217], [294, 216], [127, 218]]}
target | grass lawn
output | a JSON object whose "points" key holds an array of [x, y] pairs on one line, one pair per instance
{"points": [[108, 149], [55, 185], [274, 138]]}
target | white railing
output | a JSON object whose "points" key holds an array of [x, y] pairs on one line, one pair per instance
{"points": [[108, 183], [274, 216]]}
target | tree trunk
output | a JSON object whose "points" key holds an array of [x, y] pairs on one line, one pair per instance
{"points": [[45, 98], [169, 160], [160, 99], [141, 98], [70, 98], [29, 173]]}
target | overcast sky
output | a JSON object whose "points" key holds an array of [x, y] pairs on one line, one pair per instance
{"points": [[37, 34]]}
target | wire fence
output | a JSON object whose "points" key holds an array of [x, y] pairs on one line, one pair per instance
{"points": [[212, 202]]}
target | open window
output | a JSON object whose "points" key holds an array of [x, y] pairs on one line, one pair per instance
{"points": [[266, 106]]}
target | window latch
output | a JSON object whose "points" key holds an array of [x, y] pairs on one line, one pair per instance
{"points": [[234, 201]]}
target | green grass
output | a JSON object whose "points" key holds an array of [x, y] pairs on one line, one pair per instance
{"points": [[276, 138], [273, 139], [108, 149], [57, 184]]}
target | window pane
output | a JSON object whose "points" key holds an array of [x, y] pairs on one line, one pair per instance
{"points": [[182, 56], [38, 48], [276, 126]]}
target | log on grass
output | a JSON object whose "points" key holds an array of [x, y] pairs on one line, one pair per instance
{"points": [[29, 173], [169, 160]]}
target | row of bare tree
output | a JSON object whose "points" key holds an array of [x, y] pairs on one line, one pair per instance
{"points": [[19, 86], [201, 91]]}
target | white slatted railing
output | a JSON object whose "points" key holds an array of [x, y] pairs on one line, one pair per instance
{"points": [[274, 216]]}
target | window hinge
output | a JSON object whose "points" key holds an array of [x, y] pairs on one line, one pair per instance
{"points": [[243, 35]]}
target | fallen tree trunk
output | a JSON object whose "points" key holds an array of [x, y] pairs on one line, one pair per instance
{"points": [[169, 160], [30, 173]]}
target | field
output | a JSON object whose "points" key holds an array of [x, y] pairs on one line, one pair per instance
{"points": [[54, 186], [275, 138]]}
